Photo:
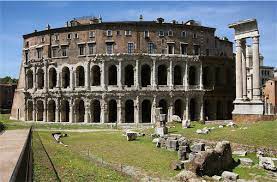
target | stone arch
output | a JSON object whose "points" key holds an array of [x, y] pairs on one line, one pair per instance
{"points": [[129, 75], [129, 111], [65, 109], [193, 75], [80, 76], [96, 111], [179, 108], [40, 110], [52, 78], [164, 107], [79, 111], [193, 109], [29, 79], [162, 74], [219, 110], [112, 75], [146, 111], [40, 78], [145, 75], [30, 110], [51, 110], [207, 76], [65, 77], [178, 75], [96, 75], [112, 110]]}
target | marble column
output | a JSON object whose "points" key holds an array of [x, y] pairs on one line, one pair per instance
{"points": [[201, 76], [45, 115], [57, 117], [187, 109], [71, 111], [103, 110], [137, 110], [243, 69], [154, 106], [256, 69], [103, 76], [87, 78], [87, 112], [201, 103], [170, 110], [72, 79], [119, 75], [154, 74], [34, 110], [238, 70], [46, 77], [185, 79], [137, 75], [119, 111], [35, 78], [170, 74]]}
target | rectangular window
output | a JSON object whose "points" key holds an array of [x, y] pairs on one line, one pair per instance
{"points": [[64, 51], [150, 48], [92, 48], [130, 48], [184, 49], [161, 33], [55, 51], [196, 49], [27, 44], [81, 49], [42, 39], [118, 32], [56, 37], [69, 36], [109, 33], [76, 36], [39, 53], [27, 56], [128, 32], [91, 34], [184, 34], [146, 34], [109, 48], [194, 35], [170, 33], [170, 48]]}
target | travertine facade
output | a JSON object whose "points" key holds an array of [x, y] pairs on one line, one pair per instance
{"points": [[118, 72]]}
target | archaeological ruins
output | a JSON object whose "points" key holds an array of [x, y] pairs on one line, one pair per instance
{"points": [[91, 71]]}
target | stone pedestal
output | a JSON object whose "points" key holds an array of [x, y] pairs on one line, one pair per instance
{"points": [[161, 131], [248, 107]]}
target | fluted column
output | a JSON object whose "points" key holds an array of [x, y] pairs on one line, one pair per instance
{"points": [[170, 110], [57, 117], [243, 69], [238, 70], [103, 76], [170, 74], [72, 79], [103, 110], [119, 111], [154, 106], [187, 117], [87, 78], [87, 112], [201, 76], [137, 110], [201, 117], [256, 68], [71, 111], [137, 75], [154, 74], [185, 78], [119, 74]]}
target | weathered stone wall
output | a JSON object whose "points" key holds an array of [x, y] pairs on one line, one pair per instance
{"points": [[252, 118]]}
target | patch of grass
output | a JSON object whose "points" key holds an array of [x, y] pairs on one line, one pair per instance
{"points": [[73, 167], [114, 148], [11, 124], [260, 134]]}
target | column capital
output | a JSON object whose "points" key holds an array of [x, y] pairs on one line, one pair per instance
{"points": [[256, 39], [238, 42]]}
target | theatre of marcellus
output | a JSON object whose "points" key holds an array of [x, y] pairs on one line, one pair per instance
{"points": [[97, 72]]}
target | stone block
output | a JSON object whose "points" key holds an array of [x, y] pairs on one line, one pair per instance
{"points": [[246, 161], [172, 144], [268, 163], [161, 131], [131, 136], [177, 165], [176, 118], [198, 147], [229, 176], [216, 178], [240, 153]]}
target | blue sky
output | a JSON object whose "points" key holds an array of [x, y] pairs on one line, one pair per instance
{"points": [[18, 18]]}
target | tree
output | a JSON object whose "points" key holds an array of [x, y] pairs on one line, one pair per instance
{"points": [[8, 80]]}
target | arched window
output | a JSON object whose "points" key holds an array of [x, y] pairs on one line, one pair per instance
{"points": [[40, 110], [80, 76], [51, 111], [65, 111], [207, 76], [95, 111], [146, 111], [192, 75], [179, 108], [178, 75], [193, 109], [65, 77], [129, 75], [52, 78], [112, 109], [129, 111], [162, 75], [163, 105], [29, 110], [29, 79], [40, 79], [96, 75], [112, 75], [145, 75], [80, 111]]}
